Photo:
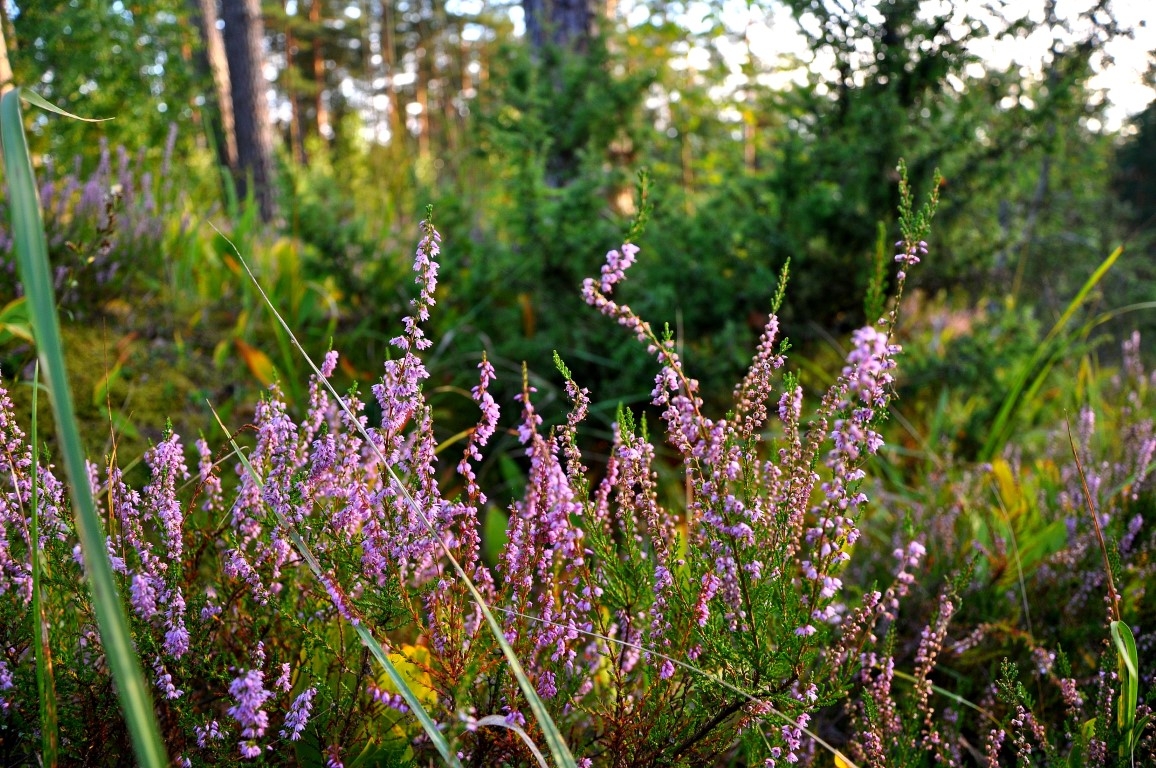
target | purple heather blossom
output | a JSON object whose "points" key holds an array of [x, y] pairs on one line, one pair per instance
{"points": [[236, 566], [547, 687], [614, 270], [166, 461], [143, 596], [248, 690], [211, 731], [6, 684], [752, 394], [710, 587], [164, 681], [210, 481], [910, 253], [298, 716], [176, 634], [482, 433], [394, 701], [340, 600], [283, 679]]}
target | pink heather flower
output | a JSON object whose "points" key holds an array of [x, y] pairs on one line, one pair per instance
{"points": [[143, 596], [755, 390], [910, 253], [340, 601], [166, 461], [164, 681], [805, 631], [869, 365], [547, 688], [283, 678], [298, 715], [209, 732], [6, 684], [176, 634], [248, 690], [667, 670], [616, 265], [710, 587], [482, 433]]}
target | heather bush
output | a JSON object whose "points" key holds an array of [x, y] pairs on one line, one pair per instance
{"points": [[102, 226], [1035, 561], [657, 635], [731, 626]]}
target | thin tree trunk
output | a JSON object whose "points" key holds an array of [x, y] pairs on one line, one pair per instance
{"points": [[205, 17], [324, 129], [389, 55], [244, 35], [296, 135], [422, 88]]}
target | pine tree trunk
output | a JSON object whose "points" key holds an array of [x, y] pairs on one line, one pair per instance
{"points": [[565, 23], [324, 127], [296, 123], [244, 36], [213, 59]]}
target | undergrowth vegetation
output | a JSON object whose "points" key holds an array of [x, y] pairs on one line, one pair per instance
{"points": [[331, 579]]}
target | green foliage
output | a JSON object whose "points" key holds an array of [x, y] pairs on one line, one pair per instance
{"points": [[102, 60]]}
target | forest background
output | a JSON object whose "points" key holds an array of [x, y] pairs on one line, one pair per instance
{"points": [[312, 135]]}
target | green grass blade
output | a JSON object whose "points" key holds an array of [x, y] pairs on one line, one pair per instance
{"points": [[1032, 374], [32, 258], [953, 696], [1129, 679], [558, 750], [497, 721], [45, 681], [368, 640], [33, 98]]}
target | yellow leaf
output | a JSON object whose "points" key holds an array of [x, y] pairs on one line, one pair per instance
{"points": [[411, 663]]}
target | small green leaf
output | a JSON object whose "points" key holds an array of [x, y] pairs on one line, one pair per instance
{"points": [[33, 98]]}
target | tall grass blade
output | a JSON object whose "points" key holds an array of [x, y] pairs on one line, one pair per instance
{"points": [[42, 648], [497, 721], [1129, 664], [1035, 371], [558, 750], [31, 250], [368, 640]]}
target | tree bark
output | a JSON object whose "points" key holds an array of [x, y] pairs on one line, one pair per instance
{"points": [[244, 36], [565, 23], [324, 129], [296, 123], [213, 55]]}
